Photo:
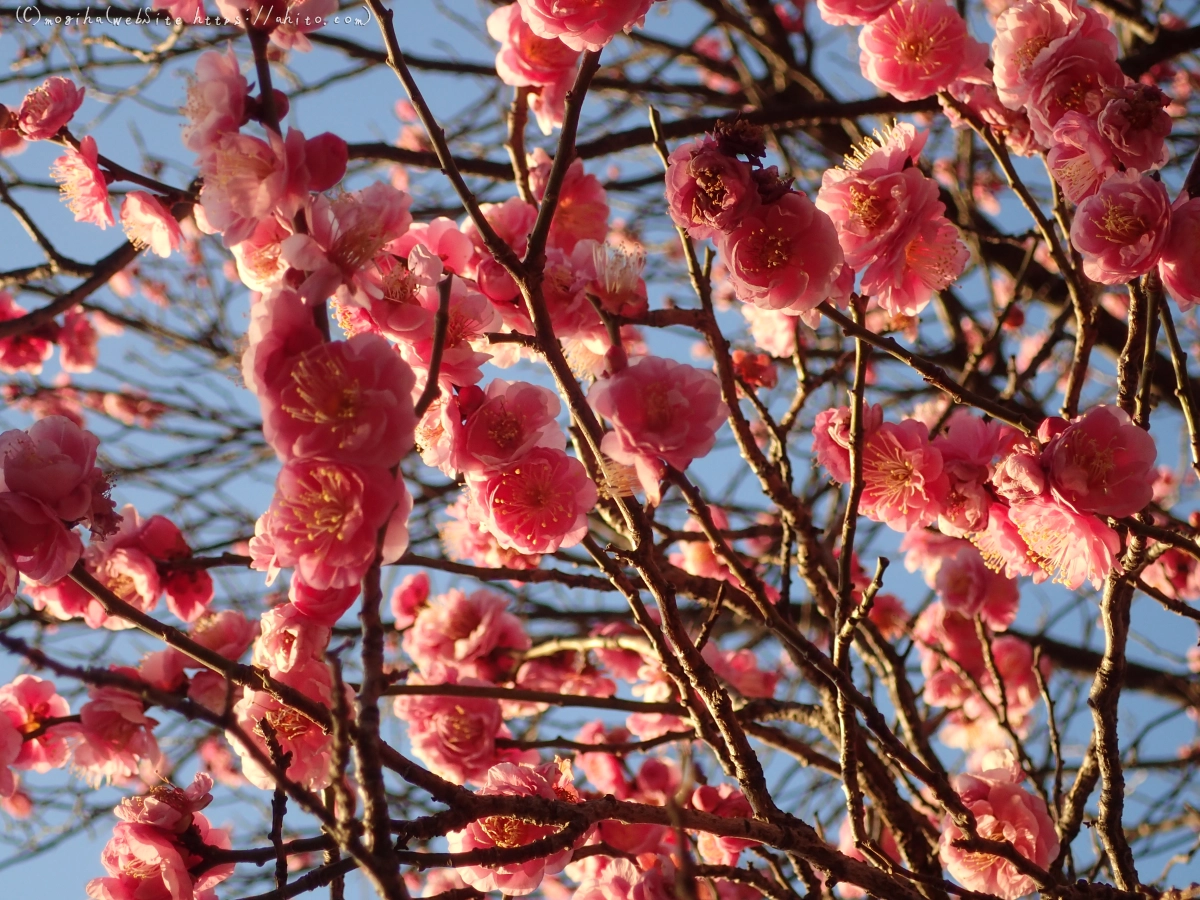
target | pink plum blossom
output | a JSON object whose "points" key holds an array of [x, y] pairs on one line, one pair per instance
{"points": [[24, 352], [582, 210], [728, 802], [504, 424], [84, 186], [149, 225], [708, 190], [832, 437], [289, 639], [78, 352], [114, 734], [310, 747], [453, 736], [1121, 229], [661, 411], [10, 745], [344, 236], [538, 503], [166, 806], [281, 328], [852, 12], [1079, 75], [1003, 811], [1071, 546], [54, 461], [1136, 123], [1102, 463], [516, 879], [1033, 32], [526, 59], [903, 481], [323, 606], [772, 330], [582, 25], [325, 520], [28, 704], [1177, 264], [48, 107], [785, 255], [916, 48], [344, 400], [468, 633], [1081, 158], [216, 99], [443, 239], [40, 545], [467, 541]]}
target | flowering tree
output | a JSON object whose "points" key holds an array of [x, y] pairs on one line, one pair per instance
{"points": [[617, 621]]}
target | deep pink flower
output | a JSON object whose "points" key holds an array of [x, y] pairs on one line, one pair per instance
{"points": [[1102, 463], [83, 184], [227, 632], [1071, 546], [349, 401], [344, 236], [1033, 32], [216, 100], [310, 747], [54, 461], [409, 598], [468, 633], [661, 411], [324, 606], [740, 669], [466, 541], [65, 600], [28, 703], [1002, 547], [143, 862], [515, 879], [148, 224], [903, 481], [166, 806], [1079, 76], [453, 736], [1004, 811], [582, 25], [1177, 265], [917, 47], [289, 639], [259, 257], [42, 547], [24, 352], [582, 210], [831, 437], [77, 343], [526, 59], [325, 519], [967, 587], [114, 734], [129, 573], [507, 422], [281, 328], [615, 275], [48, 107], [443, 239], [538, 503], [728, 802], [1121, 229], [785, 255], [708, 190], [1135, 121], [968, 446], [1081, 158]]}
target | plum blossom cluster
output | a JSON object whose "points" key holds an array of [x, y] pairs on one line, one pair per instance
{"points": [[157, 851], [1003, 506], [890, 224], [109, 739], [470, 642], [50, 483], [782, 252]]}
